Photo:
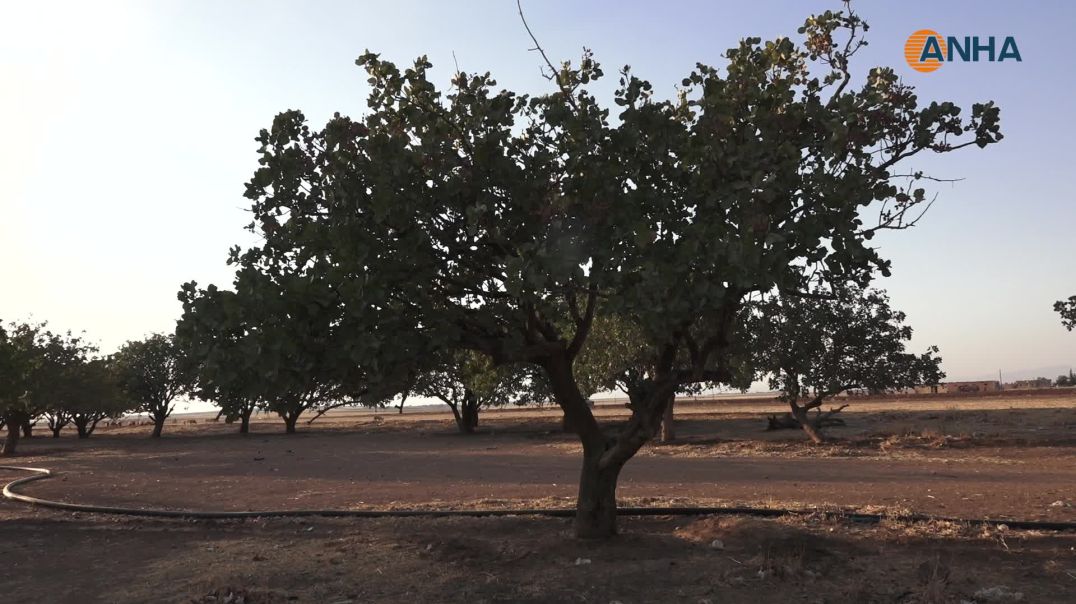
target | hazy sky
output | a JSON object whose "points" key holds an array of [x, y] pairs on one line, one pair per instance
{"points": [[130, 131]]}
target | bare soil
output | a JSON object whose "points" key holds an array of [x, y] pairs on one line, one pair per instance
{"points": [[967, 457]]}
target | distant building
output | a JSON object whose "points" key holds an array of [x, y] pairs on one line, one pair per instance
{"points": [[1040, 382], [980, 386]]}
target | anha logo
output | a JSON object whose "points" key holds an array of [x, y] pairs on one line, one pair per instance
{"points": [[926, 50]]}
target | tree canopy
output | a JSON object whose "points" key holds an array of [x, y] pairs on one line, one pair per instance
{"points": [[1067, 310]]}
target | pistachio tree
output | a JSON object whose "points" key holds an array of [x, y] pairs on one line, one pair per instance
{"points": [[18, 359], [477, 218], [1067, 310], [815, 347], [152, 373], [468, 382], [56, 379], [280, 340], [221, 341]]}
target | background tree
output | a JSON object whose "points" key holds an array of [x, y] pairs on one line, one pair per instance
{"points": [[276, 341], [151, 374], [55, 378], [1067, 310], [17, 360], [222, 343], [29, 355], [474, 218], [97, 395], [468, 382], [820, 345]]}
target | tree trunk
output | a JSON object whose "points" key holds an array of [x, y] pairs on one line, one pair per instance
{"points": [[244, 419], [27, 429], [158, 425], [56, 431], [668, 427], [809, 428], [83, 428], [467, 418], [289, 422], [12, 440], [595, 510]]}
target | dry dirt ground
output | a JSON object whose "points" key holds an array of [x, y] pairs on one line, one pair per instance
{"points": [[1010, 457]]}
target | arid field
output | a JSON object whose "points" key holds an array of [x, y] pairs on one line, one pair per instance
{"points": [[1004, 457]]}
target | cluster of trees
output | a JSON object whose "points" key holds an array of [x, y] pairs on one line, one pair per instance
{"points": [[473, 242], [62, 379]]}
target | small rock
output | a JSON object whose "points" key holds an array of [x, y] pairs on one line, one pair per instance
{"points": [[717, 544], [582, 561], [1058, 504], [999, 593]]}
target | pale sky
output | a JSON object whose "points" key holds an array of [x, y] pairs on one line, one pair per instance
{"points": [[131, 124]]}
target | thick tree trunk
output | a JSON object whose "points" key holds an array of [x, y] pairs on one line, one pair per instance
{"points": [[595, 512], [289, 422], [244, 421], [467, 418], [158, 425], [809, 428], [56, 431], [27, 429], [668, 423], [12, 440], [83, 428]]}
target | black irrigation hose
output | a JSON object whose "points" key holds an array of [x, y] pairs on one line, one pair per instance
{"points": [[42, 474]]}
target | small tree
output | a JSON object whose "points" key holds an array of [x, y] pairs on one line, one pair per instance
{"points": [[32, 360], [17, 361], [818, 346], [222, 344], [468, 382], [276, 341], [151, 374], [97, 396], [55, 379], [1067, 310]]}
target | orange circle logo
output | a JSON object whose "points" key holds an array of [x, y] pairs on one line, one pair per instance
{"points": [[917, 42]]}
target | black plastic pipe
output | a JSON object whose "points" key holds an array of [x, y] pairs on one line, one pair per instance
{"points": [[43, 474]]}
